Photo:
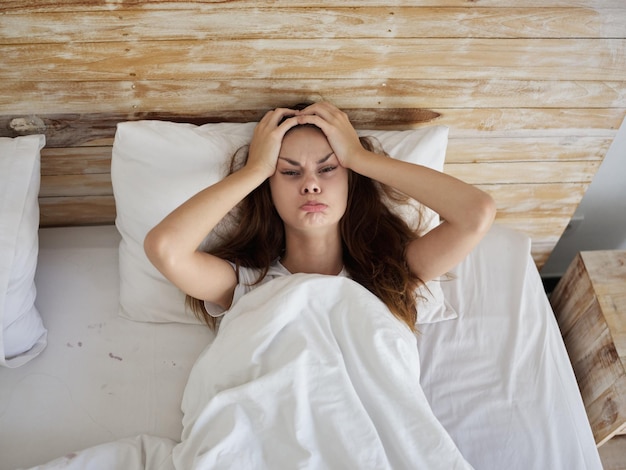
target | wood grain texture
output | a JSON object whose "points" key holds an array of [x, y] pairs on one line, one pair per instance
{"points": [[613, 454], [274, 22], [603, 103], [532, 94], [550, 134], [68, 130], [590, 306], [609, 286], [446, 58], [20, 6], [75, 160], [68, 211]]}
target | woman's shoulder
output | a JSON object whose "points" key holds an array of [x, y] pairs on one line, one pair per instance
{"points": [[250, 276]]}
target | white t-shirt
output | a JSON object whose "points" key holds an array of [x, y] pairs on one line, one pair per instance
{"points": [[247, 279]]}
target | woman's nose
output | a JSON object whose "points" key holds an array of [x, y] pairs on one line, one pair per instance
{"points": [[311, 186]]}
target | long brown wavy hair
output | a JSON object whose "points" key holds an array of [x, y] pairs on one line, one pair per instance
{"points": [[374, 240]]}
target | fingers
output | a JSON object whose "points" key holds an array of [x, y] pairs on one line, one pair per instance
{"points": [[330, 119], [277, 114], [326, 116], [268, 136], [317, 113], [337, 127], [324, 110], [276, 122]]}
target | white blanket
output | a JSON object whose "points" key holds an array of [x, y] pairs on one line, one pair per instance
{"points": [[307, 371], [311, 371]]}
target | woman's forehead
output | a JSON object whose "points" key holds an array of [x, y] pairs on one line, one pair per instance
{"points": [[321, 161], [304, 131], [305, 143]]}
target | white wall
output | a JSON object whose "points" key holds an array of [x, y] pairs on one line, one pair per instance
{"points": [[603, 209]]}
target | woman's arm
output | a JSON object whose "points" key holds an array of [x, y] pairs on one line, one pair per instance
{"points": [[467, 211], [172, 245]]}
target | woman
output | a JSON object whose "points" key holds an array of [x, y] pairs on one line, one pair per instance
{"points": [[310, 205]]}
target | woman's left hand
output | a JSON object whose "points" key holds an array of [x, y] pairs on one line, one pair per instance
{"points": [[336, 125]]}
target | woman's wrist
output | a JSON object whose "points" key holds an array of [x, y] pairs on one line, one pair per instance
{"points": [[259, 171], [364, 162]]}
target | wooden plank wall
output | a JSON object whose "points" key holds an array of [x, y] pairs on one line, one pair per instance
{"points": [[533, 92]]}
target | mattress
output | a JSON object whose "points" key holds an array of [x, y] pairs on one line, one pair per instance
{"points": [[497, 377]]}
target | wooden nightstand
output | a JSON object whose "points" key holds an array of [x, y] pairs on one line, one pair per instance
{"points": [[590, 305]]}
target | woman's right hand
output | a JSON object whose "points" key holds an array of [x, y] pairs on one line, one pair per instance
{"points": [[268, 137]]}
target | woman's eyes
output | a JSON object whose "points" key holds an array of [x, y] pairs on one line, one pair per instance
{"points": [[326, 169]]}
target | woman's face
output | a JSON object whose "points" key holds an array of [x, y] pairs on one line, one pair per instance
{"points": [[309, 187]]}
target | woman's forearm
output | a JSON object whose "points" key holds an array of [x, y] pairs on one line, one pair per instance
{"points": [[185, 228], [454, 200]]}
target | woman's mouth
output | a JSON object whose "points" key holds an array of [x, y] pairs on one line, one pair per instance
{"points": [[312, 206]]}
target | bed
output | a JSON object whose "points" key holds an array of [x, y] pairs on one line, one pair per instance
{"points": [[498, 377], [121, 376], [523, 120]]}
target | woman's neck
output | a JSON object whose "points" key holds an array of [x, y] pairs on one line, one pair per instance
{"points": [[319, 254]]}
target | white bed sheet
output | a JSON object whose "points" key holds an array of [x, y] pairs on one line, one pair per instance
{"points": [[102, 377], [498, 378]]}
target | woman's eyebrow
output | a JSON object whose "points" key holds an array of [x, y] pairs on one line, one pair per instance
{"points": [[295, 163], [325, 158], [291, 162]]}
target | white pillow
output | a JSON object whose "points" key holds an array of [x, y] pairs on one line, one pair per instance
{"points": [[23, 335], [157, 165]]}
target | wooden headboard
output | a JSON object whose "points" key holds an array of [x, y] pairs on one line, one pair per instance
{"points": [[533, 92]]}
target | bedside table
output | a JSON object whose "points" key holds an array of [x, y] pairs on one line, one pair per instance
{"points": [[590, 306]]}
